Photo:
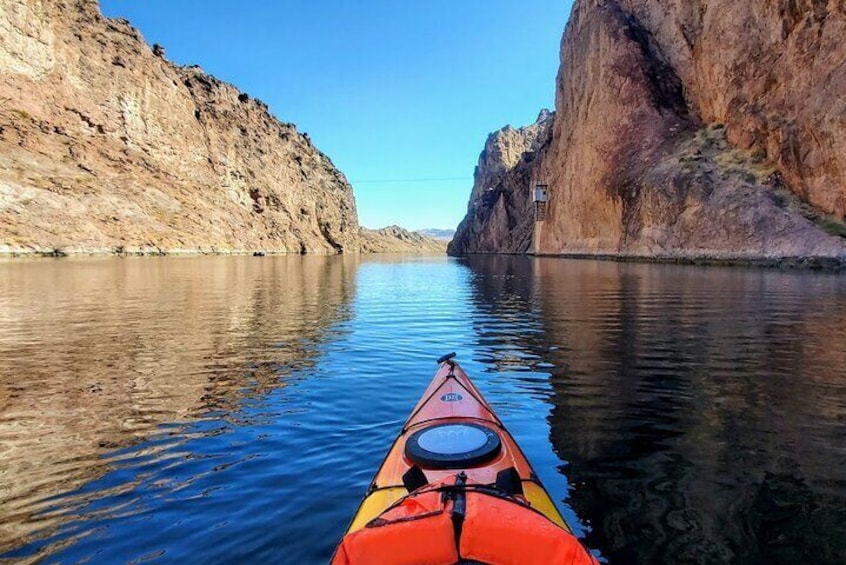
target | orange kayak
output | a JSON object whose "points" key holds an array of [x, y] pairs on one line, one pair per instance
{"points": [[456, 488]]}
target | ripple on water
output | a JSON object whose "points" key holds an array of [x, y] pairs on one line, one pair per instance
{"points": [[235, 409]]}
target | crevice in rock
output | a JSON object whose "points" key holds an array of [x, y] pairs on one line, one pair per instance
{"points": [[664, 83], [87, 120], [325, 230]]}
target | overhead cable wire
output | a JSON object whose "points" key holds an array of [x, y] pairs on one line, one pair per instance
{"points": [[385, 181]]}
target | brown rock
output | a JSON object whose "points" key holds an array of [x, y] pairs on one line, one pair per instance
{"points": [[774, 72], [394, 239], [499, 215], [107, 147], [698, 130]]}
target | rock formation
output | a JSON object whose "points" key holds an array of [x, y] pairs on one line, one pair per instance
{"points": [[499, 215], [105, 146], [394, 239], [692, 129]]}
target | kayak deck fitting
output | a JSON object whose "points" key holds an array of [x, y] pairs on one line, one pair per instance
{"points": [[456, 488]]}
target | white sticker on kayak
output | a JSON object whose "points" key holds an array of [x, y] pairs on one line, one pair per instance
{"points": [[452, 397]]}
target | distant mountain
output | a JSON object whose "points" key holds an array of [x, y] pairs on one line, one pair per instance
{"points": [[435, 233], [394, 239]]}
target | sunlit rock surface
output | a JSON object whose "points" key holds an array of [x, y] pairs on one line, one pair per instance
{"points": [[394, 239], [105, 146]]}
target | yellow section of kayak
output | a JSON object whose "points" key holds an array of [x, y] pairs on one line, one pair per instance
{"points": [[374, 505], [380, 500], [540, 501]]}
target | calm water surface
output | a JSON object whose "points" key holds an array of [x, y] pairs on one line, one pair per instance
{"points": [[235, 409]]}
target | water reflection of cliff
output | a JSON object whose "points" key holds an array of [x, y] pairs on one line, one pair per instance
{"points": [[96, 354], [506, 322], [701, 410]]}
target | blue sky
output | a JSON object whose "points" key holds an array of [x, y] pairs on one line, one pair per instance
{"points": [[391, 90]]}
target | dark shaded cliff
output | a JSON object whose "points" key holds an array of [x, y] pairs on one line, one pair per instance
{"points": [[694, 130], [499, 215]]}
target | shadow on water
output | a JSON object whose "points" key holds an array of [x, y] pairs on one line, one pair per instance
{"points": [[701, 410], [512, 351], [507, 323], [113, 370]]}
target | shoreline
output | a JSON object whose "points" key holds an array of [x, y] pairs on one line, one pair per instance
{"points": [[143, 252], [62, 253], [811, 263]]}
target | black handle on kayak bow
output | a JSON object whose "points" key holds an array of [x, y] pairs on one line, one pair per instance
{"points": [[447, 357]]}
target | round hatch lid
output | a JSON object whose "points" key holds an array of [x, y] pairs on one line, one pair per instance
{"points": [[452, 446]]}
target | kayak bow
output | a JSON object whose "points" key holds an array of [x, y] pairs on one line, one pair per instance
{"points": [[456, 488]]}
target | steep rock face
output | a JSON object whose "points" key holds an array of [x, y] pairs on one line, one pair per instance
{"points": [[499, 215], [105, 146], [394, 239], [774, 72], [698, 129]]}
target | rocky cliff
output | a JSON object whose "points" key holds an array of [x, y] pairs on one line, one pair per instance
{"points": [[394, 239], [500, 216], [105, 146], [695, 129]]}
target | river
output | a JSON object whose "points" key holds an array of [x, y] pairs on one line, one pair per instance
{"points": [[234, 409]]}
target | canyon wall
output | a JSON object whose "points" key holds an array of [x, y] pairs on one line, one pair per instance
{"points": [[693, 129], [500, 217], [105, 146]]}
